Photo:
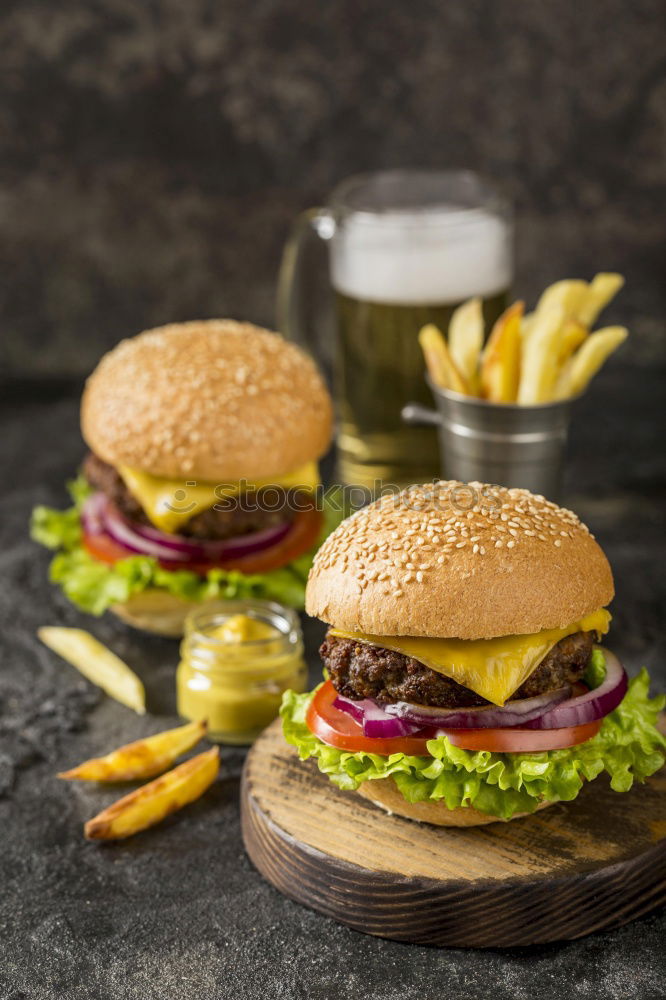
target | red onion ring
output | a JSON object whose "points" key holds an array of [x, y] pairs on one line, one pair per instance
{"points": [[91, 514], [353, 708], [514, 713], [592, 705], [554, 710], [375, 721], [121, 532], [99, 516], [241, 545]]}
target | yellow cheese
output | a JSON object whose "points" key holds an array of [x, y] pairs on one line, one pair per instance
{"points": [[169, 503], [492, 668]]}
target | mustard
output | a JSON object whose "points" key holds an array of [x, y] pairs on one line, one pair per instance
{"points": [[241, 629], [237, 659]]}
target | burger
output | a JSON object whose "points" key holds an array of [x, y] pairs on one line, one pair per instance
{"points": [[201, 481], [465, 680]]}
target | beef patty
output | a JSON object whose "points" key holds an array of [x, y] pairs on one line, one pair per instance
{"points": [[211, 524], [359, 670]]}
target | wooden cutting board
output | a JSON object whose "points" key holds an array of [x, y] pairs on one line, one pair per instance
{"points": [[561, 873]]}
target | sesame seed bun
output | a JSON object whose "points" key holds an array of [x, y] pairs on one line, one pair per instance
{"points": [[466, 561], [210, 399], [385, 793]]}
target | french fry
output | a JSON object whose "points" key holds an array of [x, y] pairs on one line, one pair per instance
{"points": [[530, 358], [466, 340], [539, 363], [443, 370], [526, 324], [571, 337], [151, 803], [567, 294], [141, 759], [603, 287], [500, 365], [588, 359], [97, 663]]}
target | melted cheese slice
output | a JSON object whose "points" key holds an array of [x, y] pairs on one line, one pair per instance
{"points": [[170, 503], [492, 668]]}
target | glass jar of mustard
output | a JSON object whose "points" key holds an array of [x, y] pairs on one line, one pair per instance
{"points": [[237, 659]]}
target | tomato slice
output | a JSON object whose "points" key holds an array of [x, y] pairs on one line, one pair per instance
{"points": [[304, 532], [103, 548], [338, 729], [523, 740]]}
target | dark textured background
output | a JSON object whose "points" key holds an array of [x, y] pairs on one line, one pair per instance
{"points": [[154, 151]]}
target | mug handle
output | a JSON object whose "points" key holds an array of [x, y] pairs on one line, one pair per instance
{"points": [[420, 416], [292, 317]]}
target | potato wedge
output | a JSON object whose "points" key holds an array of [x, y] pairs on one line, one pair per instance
{"points": [[142, 758], [466, 331], [588, 359], [540, 367], [603, 287], [500, 365], [97, 663], [572, 336], [443, 370], [153, 802]]}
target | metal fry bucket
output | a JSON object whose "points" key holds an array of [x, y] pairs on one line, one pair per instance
{"points": [[499, 443]]}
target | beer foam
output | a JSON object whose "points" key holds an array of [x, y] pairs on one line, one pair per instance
{"points": [[418, 258]]}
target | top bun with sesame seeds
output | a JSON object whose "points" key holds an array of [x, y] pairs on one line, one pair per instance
{"points": [[211, 399], [453, 560]]}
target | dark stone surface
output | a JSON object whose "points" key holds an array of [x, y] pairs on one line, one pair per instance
{"points": [[179, 911], [154, 152]]}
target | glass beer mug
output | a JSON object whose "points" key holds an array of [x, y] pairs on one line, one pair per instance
{"points": [[406, 247]]}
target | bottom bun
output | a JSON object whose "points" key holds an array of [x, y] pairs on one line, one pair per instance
{"points": [[158, 612], [385, 793]]}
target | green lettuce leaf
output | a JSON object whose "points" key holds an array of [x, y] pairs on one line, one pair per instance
{"points": [[94, 586], [61, 529], [628, 747], [596, 669]]}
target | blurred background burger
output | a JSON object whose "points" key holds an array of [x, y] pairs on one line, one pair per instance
{"points": [[202, 478]]}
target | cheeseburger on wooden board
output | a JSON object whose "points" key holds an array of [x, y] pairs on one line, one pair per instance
{"points": [[465, 680], [201, 476]]}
